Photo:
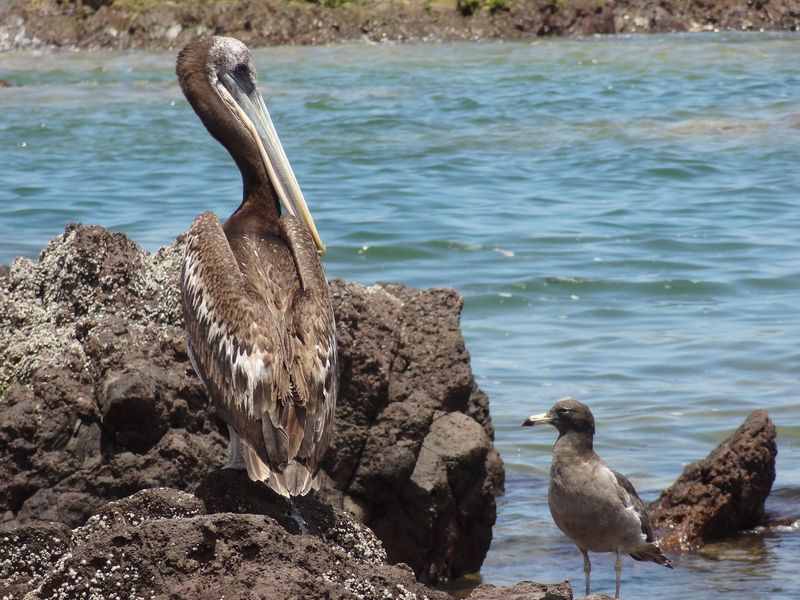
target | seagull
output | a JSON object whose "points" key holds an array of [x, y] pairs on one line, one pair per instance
{"points": [[596, 507]]}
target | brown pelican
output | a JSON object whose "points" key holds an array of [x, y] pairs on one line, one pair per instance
{"points": [[259, 320]]}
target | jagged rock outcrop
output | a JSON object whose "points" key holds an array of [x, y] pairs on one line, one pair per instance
{"points": [[98, 401], [723, 493], [413, 453], [233, 539]]}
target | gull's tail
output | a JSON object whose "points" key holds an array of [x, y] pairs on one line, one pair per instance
{"points": [[652, 553]]}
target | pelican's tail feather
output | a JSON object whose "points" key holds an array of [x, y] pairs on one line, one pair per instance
{"points": [[294, 480]]}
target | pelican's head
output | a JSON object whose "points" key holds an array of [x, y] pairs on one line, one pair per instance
{"points": [[219, 79]]}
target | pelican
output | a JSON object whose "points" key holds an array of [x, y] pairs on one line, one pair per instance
{"points": [[259, 320]]}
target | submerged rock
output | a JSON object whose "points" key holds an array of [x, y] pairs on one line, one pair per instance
{"points": [[525, 590], [98, 401], [722, 494]]}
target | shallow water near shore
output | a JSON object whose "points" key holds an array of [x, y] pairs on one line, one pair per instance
{"points": [[622, 215]]}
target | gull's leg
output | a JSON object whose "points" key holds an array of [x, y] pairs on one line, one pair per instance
{"points": [[587, 567], [235, 457], [618, 569]]}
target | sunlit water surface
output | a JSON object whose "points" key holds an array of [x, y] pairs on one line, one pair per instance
{"points": [[622, 216]]}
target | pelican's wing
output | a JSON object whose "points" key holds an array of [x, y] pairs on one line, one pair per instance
{"points": [[314, 366], [239, 345]]}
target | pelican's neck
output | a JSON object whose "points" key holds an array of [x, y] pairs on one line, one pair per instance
{"points": [[259, 196], [259, 209], [257, 188]]}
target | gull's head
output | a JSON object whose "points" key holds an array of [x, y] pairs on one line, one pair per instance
{"points": [[566, 415]]}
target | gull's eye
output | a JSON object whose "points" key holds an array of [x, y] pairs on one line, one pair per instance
{"points": [[563, 410]]}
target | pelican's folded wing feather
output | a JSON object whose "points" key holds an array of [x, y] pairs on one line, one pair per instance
{"points": [[314, 368], [236, 342]]}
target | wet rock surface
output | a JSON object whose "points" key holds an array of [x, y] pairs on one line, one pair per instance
{"points": [[723, 493], [525, 590], [98, 401], [123, 25]]}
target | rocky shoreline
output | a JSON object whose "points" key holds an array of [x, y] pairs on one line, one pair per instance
{"points": [[152, 24], [109, 478], [99, 401]]}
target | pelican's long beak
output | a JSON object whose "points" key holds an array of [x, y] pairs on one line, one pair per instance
{"points": [[249, 105], [537, 420]]}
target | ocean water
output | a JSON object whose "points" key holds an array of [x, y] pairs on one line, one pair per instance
{"points": [[621, 214]]}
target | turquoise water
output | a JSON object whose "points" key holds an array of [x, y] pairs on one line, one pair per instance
{"points": [[621, 214]]}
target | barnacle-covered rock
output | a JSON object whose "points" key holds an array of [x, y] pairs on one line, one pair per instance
{"points": [[98, 401]]}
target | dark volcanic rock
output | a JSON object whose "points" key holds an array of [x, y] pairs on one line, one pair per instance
{"points": [[98, 401], [403, 402], [723, 493], [122, 25], [237, 540]]}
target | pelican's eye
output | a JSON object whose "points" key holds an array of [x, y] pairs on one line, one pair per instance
{"points": [[243, 77]]}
